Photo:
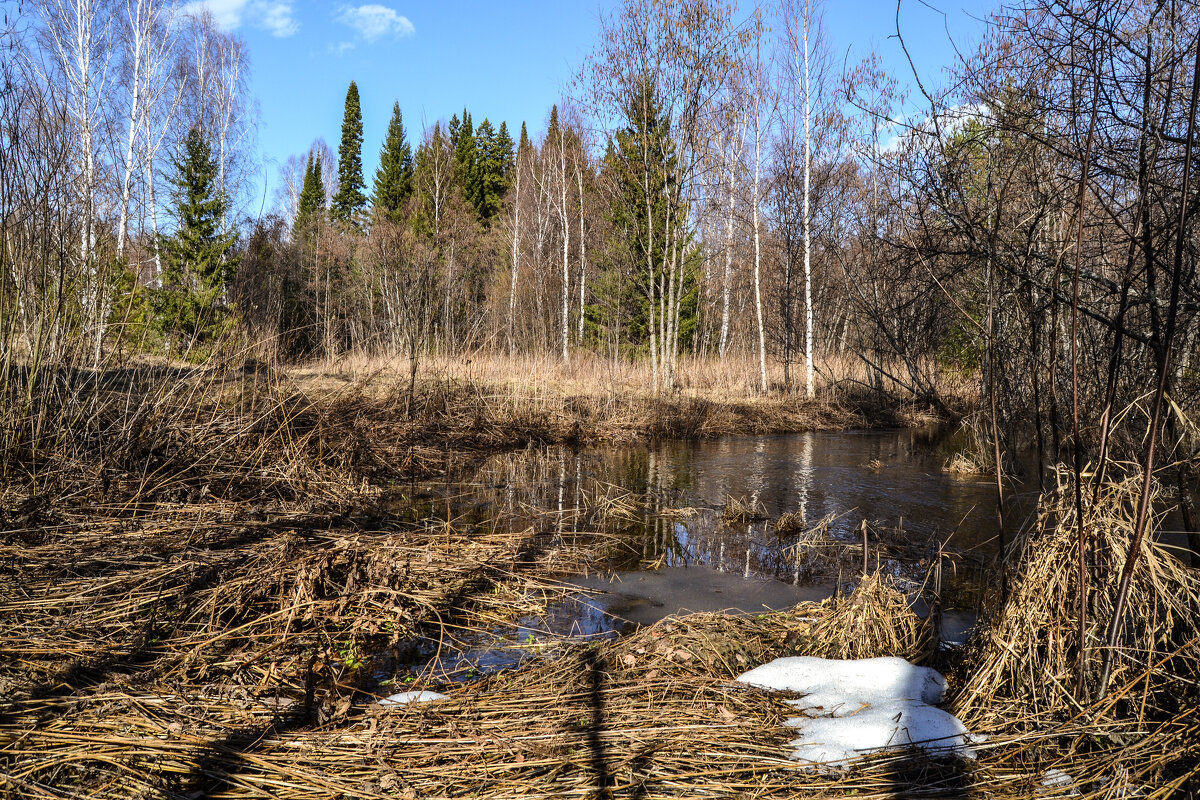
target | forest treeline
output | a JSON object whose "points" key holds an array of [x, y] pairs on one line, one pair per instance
{"points": [[718, 184]]}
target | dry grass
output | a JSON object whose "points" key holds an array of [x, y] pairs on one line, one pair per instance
{"points": [[136, 651], [876, 619], [1022, 683], [735, 377], [595, 398], [740, 510], [198, 587], [249, 713], [223, 658]]}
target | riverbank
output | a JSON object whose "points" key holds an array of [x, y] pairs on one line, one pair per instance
{"points": [[321, 434], [501, 401]]}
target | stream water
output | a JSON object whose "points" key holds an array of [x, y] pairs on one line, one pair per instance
{"points": [[676, 549]]}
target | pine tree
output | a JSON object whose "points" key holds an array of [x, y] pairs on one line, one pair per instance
{"points": [[198, 259], [312, 197], [394, 178], [350, 200]]}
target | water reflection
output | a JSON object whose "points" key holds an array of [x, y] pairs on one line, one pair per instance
{"points": [[660, 508], [662, 503]]}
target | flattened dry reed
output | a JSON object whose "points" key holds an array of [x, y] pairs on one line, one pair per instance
{"points": [[245, 686], [132, 651]]}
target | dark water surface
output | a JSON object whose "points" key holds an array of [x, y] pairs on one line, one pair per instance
{"points": [[674, 552]]}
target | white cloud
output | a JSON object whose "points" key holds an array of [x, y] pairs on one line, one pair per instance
{"points": [[373, 21], [277, 18], [274, 16], [341, 48]]}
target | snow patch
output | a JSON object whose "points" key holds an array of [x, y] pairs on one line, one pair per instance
{"points": [[896, 724], [852, 708], [829, 683], [404, 698]]}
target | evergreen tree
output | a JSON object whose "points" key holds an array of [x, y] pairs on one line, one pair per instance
{"points": [[350, 200], [504, 144], [312, 197], [464, 168], [493, 169], [198, 259], [552, 128], [394, 178], [524, 144], [640, 163], [487, 187]]}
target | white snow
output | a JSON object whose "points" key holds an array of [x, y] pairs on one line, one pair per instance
{"points": [[404, 698], [852, 708], [829, 683], [1057, 783], [880, 726]]}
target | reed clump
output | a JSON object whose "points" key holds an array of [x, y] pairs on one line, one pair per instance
{"points": [[876, 618], [740, 510], [1024, 680]]}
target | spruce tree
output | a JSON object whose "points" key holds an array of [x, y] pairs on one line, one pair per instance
{"points": [[488, 170], [312, 197], [504, 144], [464, 158], [198, 259], [638, 163], [523, 144], [552, 127], [493, 168], [350, 200], [394, 178]]}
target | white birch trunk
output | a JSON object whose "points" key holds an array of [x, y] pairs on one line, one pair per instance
{"points": [[582, 252], [516, 257], [137, 39], [762, 335], [566, 252], [808, 309]]}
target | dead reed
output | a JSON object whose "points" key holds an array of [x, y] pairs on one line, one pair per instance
{"points": [[1024, 683], [652, 715], [877, 618]]}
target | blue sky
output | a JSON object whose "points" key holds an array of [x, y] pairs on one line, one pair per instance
{"points": [[502, 60]]}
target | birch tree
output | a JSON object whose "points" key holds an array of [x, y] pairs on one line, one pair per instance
{"points": [[520, 167], [219, 75], [759, 104], [76, 57], [731, 157], [148, 38], [666, 59]]}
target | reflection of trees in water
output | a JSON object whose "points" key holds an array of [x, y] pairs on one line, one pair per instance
{"points": [[814, 474]]}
